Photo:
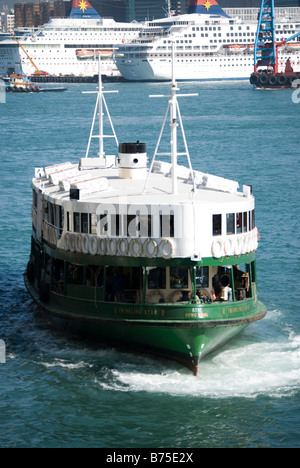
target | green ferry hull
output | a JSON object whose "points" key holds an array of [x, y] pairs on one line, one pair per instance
{"points": [[184, 341]]}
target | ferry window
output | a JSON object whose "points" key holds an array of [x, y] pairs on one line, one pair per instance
{"points": [[157, 278], [145, 226], [217, 225], [202, 277], [131, 226], [230, 219], [115, 225], [245, 222], [84, 223], [253, 219], [93, 224], [69, 221], [179, 278], [75, 274], [239, 222], [76, 222], [167, 226], [94, 276]]}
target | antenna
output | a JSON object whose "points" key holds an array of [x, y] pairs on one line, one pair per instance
{"points": [[173, 108], [100, 103]]}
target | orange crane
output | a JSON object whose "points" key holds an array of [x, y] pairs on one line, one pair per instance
{"points": [[37, 71]]}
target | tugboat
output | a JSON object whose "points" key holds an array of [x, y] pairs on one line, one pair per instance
{"points": [[158, 259], [23, 84], [19, 84], [266, 67]]}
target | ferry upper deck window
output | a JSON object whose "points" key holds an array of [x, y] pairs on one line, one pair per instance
{"points": [[230, 219], [217, 225], [76, 221]]}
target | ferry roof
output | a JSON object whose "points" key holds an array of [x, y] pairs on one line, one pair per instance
{"points": [[158, 192]]}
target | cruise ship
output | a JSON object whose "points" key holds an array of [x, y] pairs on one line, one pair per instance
{"points": [[67, 46], [210, 45]]}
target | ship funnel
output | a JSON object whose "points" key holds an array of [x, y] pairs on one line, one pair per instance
{"points": [[132, 161], [82, 9], [206, 7]]}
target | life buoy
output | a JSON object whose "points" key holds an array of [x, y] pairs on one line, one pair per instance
{"points": [[122, 247], [218, 248], [78, 243], [85, 244], [228, 246], [150, 248], [72, 245], [135, 247], [255, 239], [92, 245], [67, 241], [112, 246], [248, 243], [102, 246], [166, 249]]}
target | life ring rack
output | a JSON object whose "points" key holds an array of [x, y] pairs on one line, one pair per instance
{"points": [[136, 247]]}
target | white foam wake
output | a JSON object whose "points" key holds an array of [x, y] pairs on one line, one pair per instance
{"points": [[247, 368]]}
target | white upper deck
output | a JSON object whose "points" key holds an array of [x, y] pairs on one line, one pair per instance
{"points": [[164, 210]]}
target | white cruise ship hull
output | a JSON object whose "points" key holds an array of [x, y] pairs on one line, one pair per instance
{"points": [[214, 68]]}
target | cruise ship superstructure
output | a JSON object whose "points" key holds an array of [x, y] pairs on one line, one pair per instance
{"points": [[67, 46], [209, 44]]}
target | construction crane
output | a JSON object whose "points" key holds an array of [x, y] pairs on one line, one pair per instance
{"points": [[265, 42], [37, 71], [266, 68]]}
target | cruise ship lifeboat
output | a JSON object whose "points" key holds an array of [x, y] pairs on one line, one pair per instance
{"points": [[85, 54]]}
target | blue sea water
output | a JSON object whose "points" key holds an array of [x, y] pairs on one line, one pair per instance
{"points": [[59, 391]]}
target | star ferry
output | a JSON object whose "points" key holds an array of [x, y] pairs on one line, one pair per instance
{"points": [[159, 259]]}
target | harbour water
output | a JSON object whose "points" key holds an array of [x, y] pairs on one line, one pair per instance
{"points": [[59, 391]]}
